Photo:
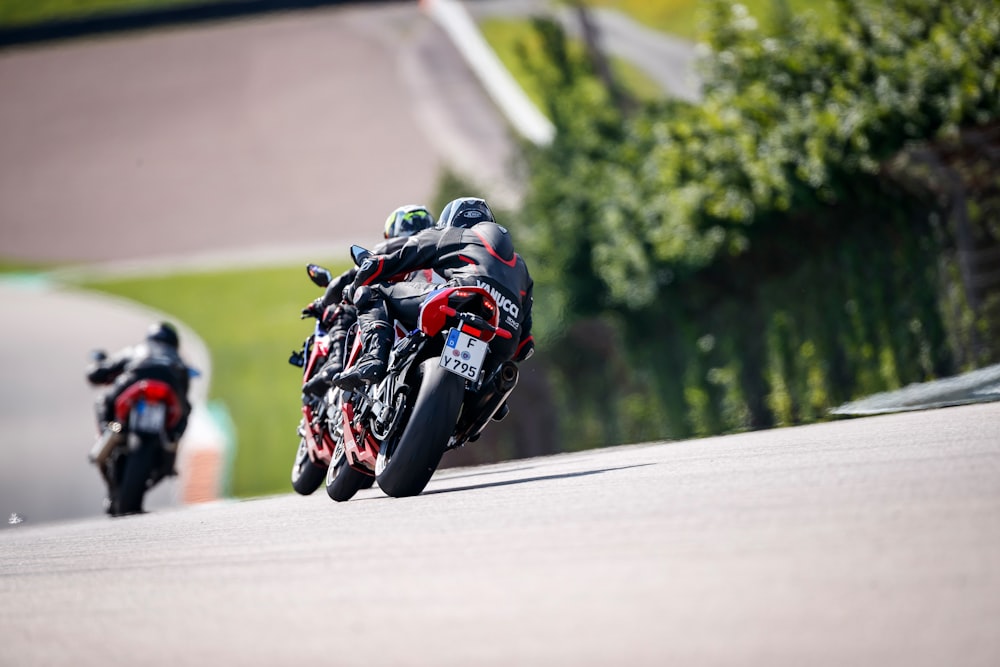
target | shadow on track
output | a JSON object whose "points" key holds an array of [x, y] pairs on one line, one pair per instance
{"points": [[540, 478]]}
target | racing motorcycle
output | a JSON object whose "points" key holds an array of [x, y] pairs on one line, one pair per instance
{"points": [[441, 390], [133, 453], [318, 433]]}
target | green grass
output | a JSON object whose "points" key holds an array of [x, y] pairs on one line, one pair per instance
{"points": [[683, 17], [249, 320], [18, 266], [505, 35], [26, 12]]}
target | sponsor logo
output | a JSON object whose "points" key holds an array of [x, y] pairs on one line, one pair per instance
{"points": [[503, 302]]}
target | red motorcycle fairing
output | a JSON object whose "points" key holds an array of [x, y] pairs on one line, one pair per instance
{"points": [[360, 456], [319, 452], [151, 391], [318, 352], [443, 303]]}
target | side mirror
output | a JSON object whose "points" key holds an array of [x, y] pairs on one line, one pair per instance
{"points": [[319, 275], [359, 255]]}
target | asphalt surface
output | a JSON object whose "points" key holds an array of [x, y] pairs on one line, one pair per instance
{"points": [[871, 541]]}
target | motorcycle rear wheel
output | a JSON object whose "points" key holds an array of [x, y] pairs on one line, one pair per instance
{"points": [[138, 467], [413, 461]]}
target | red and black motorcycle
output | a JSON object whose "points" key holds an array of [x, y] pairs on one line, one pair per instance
{"points": [[134, 453], [441, 390], [319, 427]]}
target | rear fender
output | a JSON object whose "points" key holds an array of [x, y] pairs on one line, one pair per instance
{"points": [[151, 391], [434, 310]]}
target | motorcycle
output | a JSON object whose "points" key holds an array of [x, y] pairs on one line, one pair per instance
{"points": [[133, 453], [440, 392], [318, 434]]}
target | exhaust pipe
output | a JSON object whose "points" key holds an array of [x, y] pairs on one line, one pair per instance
{"points": [[110, 438], [489, 404]]}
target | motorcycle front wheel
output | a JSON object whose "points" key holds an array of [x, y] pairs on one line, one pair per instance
{"points": [[343, 481], [306, 475], [410, 465]]}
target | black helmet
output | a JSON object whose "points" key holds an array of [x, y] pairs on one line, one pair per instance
{"points": [[465, 212], [407, 221], [163, 333]]}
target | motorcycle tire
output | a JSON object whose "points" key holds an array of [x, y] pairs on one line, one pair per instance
{"points": [[415, 457], [343, 481], [138, 468], [306, 475]]}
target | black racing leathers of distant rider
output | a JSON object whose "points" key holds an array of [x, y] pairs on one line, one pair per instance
{"points": [[149, 360], [481, 255]]}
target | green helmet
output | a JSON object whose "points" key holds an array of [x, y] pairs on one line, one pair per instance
{"points": [[407, 221]]}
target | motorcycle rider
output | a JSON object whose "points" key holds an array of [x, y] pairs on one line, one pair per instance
{"points": [[156, 358], [402, 223], [467, 247]]}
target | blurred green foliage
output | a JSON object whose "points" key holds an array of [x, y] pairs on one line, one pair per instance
{"points": [[683, 17], [515, 42], [750, 260]]}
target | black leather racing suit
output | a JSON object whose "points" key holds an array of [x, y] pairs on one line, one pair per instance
{"points": [[335, 290], [149, 360], [338, 318], [481, 255]]}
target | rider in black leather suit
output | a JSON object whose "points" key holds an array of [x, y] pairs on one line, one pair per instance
{"points": [[157, 358], [401, 224], [467, 247]]}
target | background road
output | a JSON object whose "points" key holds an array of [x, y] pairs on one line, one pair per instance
{"points": [[872, 541], [294, 130]]}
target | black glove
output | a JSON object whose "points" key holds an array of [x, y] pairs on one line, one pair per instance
{"points": [[348, 294], [314, 309], [525, 350]]}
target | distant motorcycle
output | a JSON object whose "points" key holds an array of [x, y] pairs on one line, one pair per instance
{"points": [[134, 453], [440, 392]]}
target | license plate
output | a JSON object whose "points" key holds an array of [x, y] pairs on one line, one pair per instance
{"points": [[463, 355], [148, 417]]}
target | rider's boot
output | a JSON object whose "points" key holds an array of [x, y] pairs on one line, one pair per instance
{"points": [[320, 383], [374, 360]]}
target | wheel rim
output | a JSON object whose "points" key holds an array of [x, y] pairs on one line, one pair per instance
{"points": [[301, 458], [338, 459]]}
